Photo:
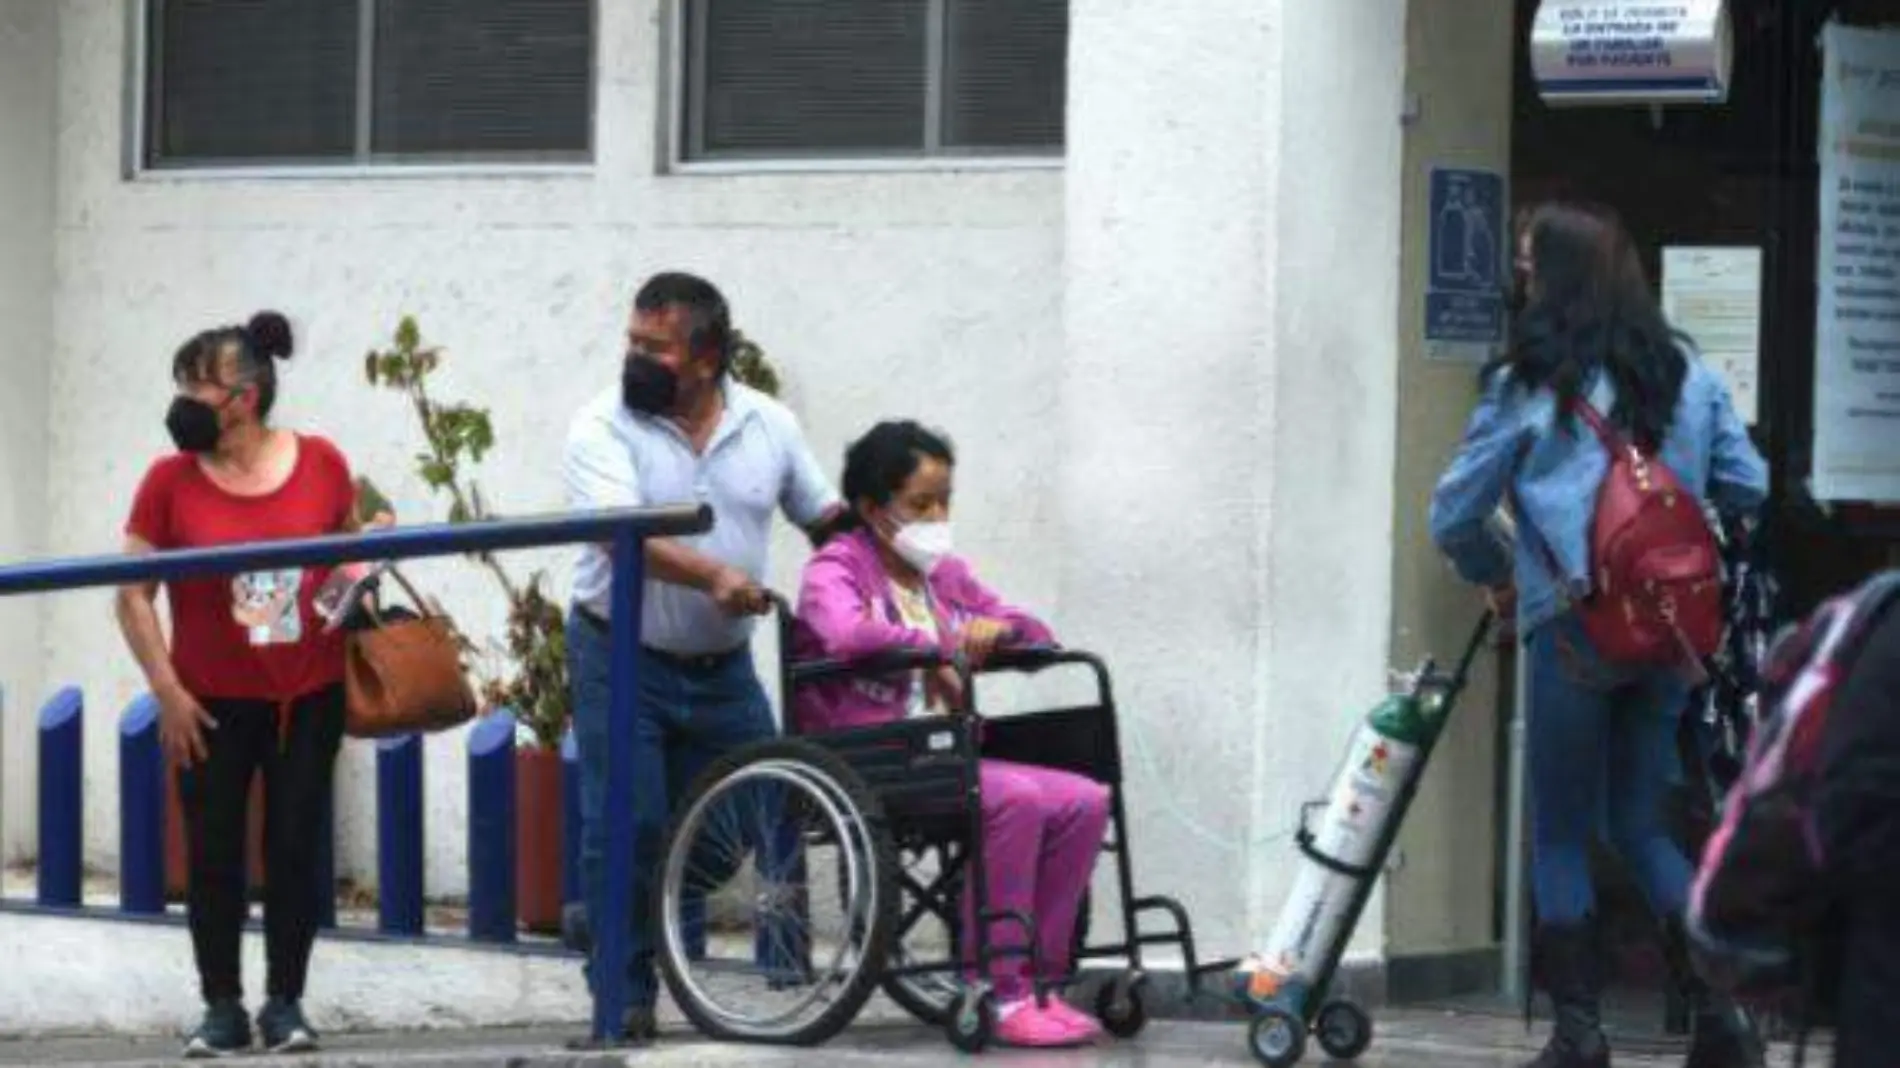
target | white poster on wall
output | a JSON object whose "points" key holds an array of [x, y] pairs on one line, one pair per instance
{"points": [[1857, 276], [1714, 295]]}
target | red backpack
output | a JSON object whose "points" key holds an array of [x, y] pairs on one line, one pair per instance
{"points": [[1655, 567]]}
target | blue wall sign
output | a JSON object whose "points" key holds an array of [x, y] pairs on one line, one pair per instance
{"points": [[1469, 247]]}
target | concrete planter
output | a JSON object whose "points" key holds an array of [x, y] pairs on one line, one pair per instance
{"points": [[538, 837]]}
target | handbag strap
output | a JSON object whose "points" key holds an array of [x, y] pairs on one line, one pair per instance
{"points": [[374, 605], [422, 605]]}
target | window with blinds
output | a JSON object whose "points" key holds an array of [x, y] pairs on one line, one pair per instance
{"points": [[297, 82], [776, 79]]}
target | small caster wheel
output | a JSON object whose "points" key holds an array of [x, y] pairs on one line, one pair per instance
{"points": [[1343, 1029], [1278, 1038], [972, 1021], [1120, 1007]]}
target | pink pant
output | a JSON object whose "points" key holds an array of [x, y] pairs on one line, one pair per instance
{"points": [[1042, 831]]}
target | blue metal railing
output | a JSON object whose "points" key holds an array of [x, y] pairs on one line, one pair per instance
{"points": [[625, 529]]}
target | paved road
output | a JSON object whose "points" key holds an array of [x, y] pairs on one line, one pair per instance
{"points": [[1406, 1039]]}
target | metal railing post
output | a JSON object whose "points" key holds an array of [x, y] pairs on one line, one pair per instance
{"points": [[1513, 972], [613, 930]]}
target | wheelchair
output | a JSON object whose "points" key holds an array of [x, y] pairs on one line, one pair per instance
{"points": [[845, 853]]}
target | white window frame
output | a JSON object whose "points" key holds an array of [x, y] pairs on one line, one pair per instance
{"points": [[138, 86], [678, 124]]}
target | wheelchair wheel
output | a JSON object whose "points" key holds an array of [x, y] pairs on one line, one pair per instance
{"points": [[776, 900]]}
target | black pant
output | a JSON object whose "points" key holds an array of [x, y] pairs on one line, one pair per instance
{"points": [[297, 757]]}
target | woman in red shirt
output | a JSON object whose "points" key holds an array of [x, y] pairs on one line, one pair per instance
{"points": [[250, 682]]}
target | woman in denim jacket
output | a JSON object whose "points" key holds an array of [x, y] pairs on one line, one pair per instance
{"points": [[1590, 329]]}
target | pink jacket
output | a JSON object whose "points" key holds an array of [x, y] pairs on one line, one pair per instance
{"points": [[846, 612]]}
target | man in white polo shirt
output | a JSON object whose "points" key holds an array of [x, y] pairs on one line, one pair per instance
{"points": [[678, 428]]}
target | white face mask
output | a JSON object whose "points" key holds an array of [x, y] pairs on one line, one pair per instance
{"points": [[923, 545]]}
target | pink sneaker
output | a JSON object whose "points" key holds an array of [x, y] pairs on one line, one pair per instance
{"points": [[1025, 1025], [1081, 1024]]}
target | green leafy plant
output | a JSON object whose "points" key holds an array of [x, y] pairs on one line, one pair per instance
{"points": [[456, 438]]}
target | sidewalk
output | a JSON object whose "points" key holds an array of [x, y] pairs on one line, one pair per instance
{"points": [[1404, 1039]]}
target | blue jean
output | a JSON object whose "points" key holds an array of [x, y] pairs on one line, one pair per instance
{"points": [[683, 721], [1602, 753]]}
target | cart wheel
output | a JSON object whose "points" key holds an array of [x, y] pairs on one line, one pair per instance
{"points": [[1344, 1030], [972, 1021], [1119, 1006], [1278, 1038]]}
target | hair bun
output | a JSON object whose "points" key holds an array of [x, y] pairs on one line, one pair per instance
{"points": [[270, 335]]}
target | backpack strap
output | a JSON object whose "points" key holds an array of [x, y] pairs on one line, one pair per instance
{"points": [[1868, 603], [1611, 441], [1611, 438]]}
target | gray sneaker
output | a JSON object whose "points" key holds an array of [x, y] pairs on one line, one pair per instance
{"points": [[284, 1028], [225, 1030]]}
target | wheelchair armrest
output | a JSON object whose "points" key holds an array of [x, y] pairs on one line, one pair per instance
{"points": [[804, 672], [1033, 658], [1027, 660]]}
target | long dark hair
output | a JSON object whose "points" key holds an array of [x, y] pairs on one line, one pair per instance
{"points": [[1590, 308]]}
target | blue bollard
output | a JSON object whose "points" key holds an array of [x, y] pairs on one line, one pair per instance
{"points": [[141, 809], [399, 835], [62, 799], [491, 828], [570, 818]]}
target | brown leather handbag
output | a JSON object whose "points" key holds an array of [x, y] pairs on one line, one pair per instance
{"points": [[402, 671]]}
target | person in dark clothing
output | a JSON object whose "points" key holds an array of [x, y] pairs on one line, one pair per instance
{"points": [[1857, 810]]}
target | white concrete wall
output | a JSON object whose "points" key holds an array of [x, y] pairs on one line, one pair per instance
{"points": [[933, 295], [1226, 474], [29, 39]]}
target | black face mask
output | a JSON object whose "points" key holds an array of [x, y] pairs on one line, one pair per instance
{"points": [[193, 425], [647, 385]]}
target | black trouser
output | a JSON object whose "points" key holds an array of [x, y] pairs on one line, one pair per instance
{"points": [[295, 749]]}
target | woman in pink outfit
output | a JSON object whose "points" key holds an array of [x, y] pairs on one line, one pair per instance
{"points": [[890, 582]]}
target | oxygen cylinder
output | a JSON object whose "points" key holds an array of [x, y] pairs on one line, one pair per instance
{"points": [[1382, 760]]}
